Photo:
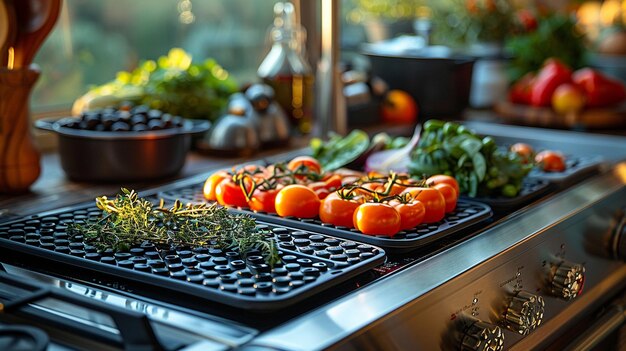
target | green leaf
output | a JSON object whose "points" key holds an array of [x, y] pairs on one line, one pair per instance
{"points": [[480, 166], [473, 184], [338, 152], [471, 145], [461, 162]]}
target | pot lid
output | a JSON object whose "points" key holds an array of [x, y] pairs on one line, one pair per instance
{"points": [[412, 47]]}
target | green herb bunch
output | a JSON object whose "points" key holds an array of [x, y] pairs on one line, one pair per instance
{"points": [[172, 84], [130, 220], [479, 166]]}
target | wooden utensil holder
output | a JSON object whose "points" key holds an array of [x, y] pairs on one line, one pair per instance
{"points": [[19, 159]]}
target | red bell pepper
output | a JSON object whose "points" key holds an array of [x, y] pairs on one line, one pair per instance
{"points": [[599, 89], [552, 74], [527, 20], [520, 90]]}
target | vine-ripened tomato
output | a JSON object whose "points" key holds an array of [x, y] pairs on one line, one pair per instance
{"points": [[433, 201], [397, 189], [229, 193], [525, 151], [444, 179], [375, 218], [311, 164], [298, 201], [211, 184], [264, 200], [551, 161], [338, 211], [324, 188], [411, 213], [449, 195], [373, 187], [333, 182]]}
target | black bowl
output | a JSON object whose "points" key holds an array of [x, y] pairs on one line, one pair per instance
{"points": [[109, 156]]}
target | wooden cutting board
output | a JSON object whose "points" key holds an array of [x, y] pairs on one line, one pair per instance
{"points": [[595, 118]]}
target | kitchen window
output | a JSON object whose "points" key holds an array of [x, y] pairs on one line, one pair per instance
{"points": [[94, 39]]}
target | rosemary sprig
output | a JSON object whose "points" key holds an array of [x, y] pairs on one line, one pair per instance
{"points": [[130, 221]]}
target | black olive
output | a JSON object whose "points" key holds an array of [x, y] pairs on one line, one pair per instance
{"points": [[89, 115], [139, 127], [140, 110], [155, 124], [138, 119], [120, 127], [108, 110], [74, 125], [70, 122], [178, 121], [108, 120], [153, 114], [167, 120], [124, 115], [92, 122]]}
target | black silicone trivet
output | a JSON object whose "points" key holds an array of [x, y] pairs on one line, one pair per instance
{"points": [[576, 169], [467, 213], [532, 189], [310, 262]]}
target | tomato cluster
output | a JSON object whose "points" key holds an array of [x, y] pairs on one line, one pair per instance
{"points": [[293, 189], [387, 205], [374, 204], [547, 160]]}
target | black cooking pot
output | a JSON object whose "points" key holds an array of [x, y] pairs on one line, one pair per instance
{"points": [[439, 80], [88, 155]]}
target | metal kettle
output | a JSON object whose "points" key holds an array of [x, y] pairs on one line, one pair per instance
{"points": [[235, 132], [271, 121]]}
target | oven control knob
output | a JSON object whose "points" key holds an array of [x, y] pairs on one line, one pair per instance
{"points": [[482, 336], [568, 281], [524, 312]]}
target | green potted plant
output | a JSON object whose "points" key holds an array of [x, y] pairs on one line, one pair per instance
{"points": [[385, 19]]}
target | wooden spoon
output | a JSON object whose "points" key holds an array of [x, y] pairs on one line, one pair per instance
{"points": [[8, 30], [35, 19]]}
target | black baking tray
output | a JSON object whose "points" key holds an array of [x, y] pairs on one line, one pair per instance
{"points": [[532, 189], [311, 262], [467, 213], [577, 168]]}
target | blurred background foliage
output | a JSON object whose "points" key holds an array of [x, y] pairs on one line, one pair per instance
{"points": [[94, 39]]}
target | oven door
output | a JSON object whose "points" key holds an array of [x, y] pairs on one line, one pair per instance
{"points": [[603, 330]]}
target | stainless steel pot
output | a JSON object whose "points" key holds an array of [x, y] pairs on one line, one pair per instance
{"points": [[440, 82], [88, 155]]}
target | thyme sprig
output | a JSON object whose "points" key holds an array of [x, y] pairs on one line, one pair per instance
{"points": [[130, 221]]}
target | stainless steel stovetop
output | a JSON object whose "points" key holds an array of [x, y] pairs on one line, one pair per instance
{"points": [[480, 289]]}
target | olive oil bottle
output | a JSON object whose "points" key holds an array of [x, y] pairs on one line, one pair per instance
{"points": [[286, 70]]}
